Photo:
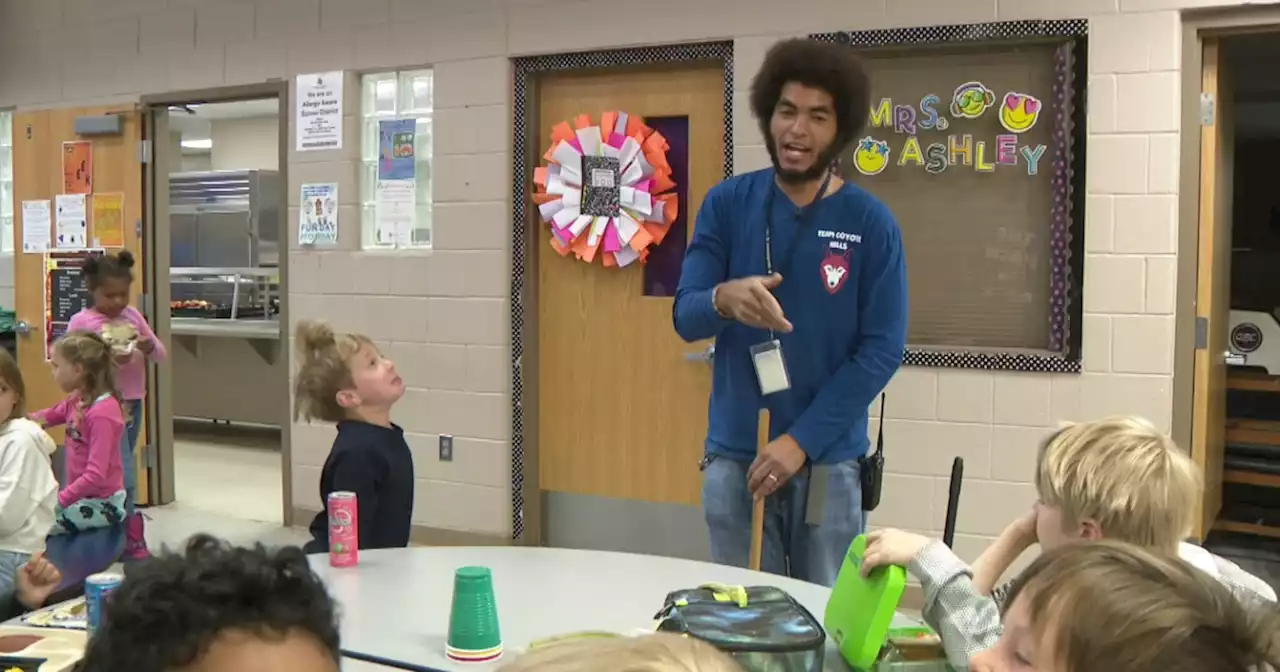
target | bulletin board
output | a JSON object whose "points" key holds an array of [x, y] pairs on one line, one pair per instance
{"points": [[975, 142]]}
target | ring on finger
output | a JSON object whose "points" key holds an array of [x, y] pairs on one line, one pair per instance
{"points": [[773, 478]]}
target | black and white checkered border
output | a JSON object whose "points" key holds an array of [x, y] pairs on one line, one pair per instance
{"points": [[523, 103], [1067, 271], [969, 32], [991, 361]]}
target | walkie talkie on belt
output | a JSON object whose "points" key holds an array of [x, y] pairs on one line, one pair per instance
{"points": [[871, 467]]}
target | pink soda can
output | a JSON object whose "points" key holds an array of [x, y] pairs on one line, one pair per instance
{"points": [[344, 530]]}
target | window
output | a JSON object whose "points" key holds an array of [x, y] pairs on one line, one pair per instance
{"points": [[387, 222], [6, 181], [976, 149]]}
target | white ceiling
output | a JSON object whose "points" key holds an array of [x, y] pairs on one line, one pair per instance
{"points": [[195, 124]]}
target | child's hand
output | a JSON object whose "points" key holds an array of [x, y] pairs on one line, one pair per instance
{"points": [[146, 345], [36, 581], [891, 547], [1023, 530]]}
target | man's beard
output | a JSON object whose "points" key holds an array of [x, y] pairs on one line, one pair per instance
{"points": [[813, 173]]}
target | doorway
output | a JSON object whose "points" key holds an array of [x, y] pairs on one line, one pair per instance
{"points": [[217, 251], [1236, 411], [621, 400]]}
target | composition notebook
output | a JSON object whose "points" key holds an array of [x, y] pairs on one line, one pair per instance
{"points": [[861, 610]]}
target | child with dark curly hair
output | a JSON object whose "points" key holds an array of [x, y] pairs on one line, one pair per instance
{"points": [[801, 279], [214, 608]]}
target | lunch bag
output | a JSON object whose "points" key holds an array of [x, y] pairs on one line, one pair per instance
{"points": [[763, 628]]}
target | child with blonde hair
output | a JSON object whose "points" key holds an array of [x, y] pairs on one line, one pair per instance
{"points": [[94, 494], [28, 490], [647, 653], [345, 379], [1115, 606], [1117, 478]]}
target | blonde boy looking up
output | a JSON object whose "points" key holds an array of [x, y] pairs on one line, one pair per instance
{"points": [[1118, 478]]}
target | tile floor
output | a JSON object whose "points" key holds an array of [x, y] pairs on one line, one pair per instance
{"points": [[227, 483]]}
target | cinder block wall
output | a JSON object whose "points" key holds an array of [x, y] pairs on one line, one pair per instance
{"points": [[444, 315]]}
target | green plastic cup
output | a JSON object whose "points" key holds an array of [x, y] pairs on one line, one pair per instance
{"points": [[473, 616]]}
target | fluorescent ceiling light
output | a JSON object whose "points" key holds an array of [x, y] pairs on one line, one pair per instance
{"points": [[202, 143]]}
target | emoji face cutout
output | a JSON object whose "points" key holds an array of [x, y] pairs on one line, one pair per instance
{"points": [[1019, 112], [971, 100], [871, 156]]}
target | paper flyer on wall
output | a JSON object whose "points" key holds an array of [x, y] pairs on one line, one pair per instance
{"points": [[77, 167], [395, 211], [318, 214], [319, 122], [396, 159], [108, 220], [71, 221], [37, 226]]}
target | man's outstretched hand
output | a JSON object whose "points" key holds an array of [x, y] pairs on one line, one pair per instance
{"points": [[751, 302], [36, 581]]}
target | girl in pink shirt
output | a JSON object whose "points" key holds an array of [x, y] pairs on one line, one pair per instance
{"points": [[94, 492], [110, 280]]}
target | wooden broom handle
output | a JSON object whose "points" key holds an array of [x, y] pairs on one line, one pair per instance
{"points": [[757, 506]]}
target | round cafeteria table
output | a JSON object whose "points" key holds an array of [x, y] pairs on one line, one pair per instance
{"points": [[395, 603]]}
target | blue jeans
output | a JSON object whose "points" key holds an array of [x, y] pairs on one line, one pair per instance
{"points": [[11, 563], [128, 442], [802, 539]]}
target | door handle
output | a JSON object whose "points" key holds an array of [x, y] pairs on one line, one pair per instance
{"points": [[22, 328], [707, 355]]}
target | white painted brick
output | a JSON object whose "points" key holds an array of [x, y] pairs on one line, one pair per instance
{"points": [[1133, 42], [1017, 10], [1103, 395], [912, 394], [905, 502], [1113, 284], [1163, 175], [485, 81], [277, 19], [471, 177], [747, 158], [964, 396], [472, 226], [1102, 104], [470, 130], [257, 61], [987, 507], [170, 30], [748, 56], [1096, 343], [226, 21], [1021, 399], [339, 16], [1142, 344], [1146, 224], [452, 37], [1014, 451], [1099, 223], [1064, 403], [307, 53], [28, 16], [1162, 285], [934, 445], [1148, 102], [910, 12], [1117, 164]]}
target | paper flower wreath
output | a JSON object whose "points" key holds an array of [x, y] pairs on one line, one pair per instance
{"points": [[605, 189]]}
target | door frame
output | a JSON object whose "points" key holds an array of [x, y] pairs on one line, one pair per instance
{"points": [[156, 247], [1196, 26], [527, 513]]}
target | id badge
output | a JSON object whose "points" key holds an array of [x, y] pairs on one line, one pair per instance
{"points": [[771, 369]]}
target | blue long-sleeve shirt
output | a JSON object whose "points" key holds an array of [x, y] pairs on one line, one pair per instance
{"points": [[844, 290]]}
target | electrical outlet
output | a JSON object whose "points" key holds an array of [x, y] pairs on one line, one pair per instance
{"points": [[446, 448]]}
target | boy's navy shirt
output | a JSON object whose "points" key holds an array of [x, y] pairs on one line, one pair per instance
{"points": [[374, 462]]}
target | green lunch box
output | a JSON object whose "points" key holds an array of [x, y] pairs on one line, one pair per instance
{"points": [[860, 611]]}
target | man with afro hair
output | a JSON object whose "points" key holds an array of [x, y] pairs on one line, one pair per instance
{"points": [[800, 278]]}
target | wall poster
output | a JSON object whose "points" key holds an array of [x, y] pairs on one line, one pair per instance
{"points": [[77, 167], [65, 293]]}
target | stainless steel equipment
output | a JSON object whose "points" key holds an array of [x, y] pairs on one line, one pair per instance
{"points": [[223, 219]]}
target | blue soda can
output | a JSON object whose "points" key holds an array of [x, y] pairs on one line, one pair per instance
{"points": [[97, 590]]}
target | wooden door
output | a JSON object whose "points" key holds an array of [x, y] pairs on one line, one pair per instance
{"points": [[622, 411], [1213, 281], [37, 175]]}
